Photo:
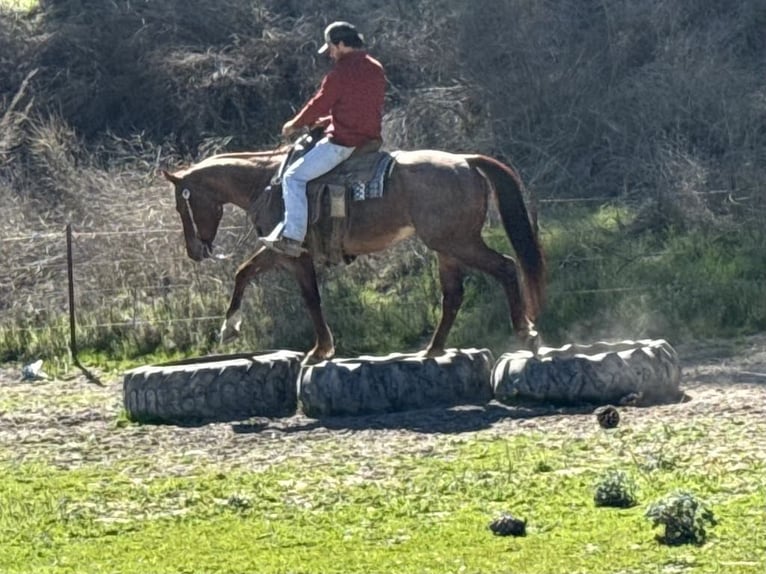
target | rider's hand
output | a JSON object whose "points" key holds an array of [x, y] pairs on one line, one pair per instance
{"points": [[289, 128]]}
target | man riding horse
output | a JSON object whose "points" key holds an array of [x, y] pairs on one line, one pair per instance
{"points": [[441, 198], [352, 93]]}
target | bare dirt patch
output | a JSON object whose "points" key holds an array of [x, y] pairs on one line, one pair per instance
{"points": [[73, 423]]}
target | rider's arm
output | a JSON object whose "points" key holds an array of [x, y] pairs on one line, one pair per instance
{"points": [[320, 105]]}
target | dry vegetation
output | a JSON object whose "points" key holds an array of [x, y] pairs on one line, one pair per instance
{"points": [[658, 103]]}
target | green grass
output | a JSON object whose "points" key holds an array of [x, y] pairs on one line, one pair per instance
{"points": [[394, 512], [608, 281], [24, 5]]}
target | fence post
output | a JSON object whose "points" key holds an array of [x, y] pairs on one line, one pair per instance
{"points": [[70, 273]]}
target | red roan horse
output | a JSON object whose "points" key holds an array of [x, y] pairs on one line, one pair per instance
{"points": [[441, 198]]}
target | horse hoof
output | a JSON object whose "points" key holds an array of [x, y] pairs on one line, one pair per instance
{"points": [[230, 329], [229, 332], [532, 341], [313, 358], [433, 353], [309, 360]]}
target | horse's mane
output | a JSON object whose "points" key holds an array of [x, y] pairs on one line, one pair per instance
{"points": [[244, 160], [280, 150]]}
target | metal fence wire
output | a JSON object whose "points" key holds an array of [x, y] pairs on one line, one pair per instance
{"points": [[141, 279]]}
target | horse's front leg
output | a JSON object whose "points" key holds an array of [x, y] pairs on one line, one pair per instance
{"points": [[303, 270], [263, 260]]}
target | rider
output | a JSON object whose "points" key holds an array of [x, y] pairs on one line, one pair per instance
{"points": [[350, 103]]}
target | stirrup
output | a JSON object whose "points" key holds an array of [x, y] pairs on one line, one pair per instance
{"points": [[284, 246]]}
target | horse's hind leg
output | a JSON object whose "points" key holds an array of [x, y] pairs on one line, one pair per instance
{"points": [[451, 277], [304, 272], [478, 255]]}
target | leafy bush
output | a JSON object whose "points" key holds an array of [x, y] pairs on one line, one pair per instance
{"points": [[686, 518], [616, 488]]}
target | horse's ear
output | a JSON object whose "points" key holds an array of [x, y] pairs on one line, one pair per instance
{"points": [[170, 177]]}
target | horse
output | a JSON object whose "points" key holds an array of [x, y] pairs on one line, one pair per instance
{"points": [[440, 197]]}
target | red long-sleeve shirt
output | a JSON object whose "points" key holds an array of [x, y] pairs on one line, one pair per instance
{"points": [[352, 93]]}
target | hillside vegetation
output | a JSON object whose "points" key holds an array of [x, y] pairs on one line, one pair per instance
{"points": [[638, 127]]}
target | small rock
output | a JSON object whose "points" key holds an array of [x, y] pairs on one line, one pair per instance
{"points": [[608, 417], [508, 525], [631, 399]]}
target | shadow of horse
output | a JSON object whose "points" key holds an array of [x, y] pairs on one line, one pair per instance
{"points": [[436, 420]]}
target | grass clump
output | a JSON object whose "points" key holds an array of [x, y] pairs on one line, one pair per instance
{"points": [[686, 518], [616, 488]]}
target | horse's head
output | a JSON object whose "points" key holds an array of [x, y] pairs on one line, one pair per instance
{"points": [[200, 213]]}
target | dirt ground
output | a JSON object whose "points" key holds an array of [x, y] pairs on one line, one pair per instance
{"points": [[72, 422]]}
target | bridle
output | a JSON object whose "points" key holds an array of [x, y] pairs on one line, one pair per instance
{"points": [[186, 194]]}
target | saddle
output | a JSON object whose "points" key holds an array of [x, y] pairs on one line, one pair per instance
{"points": [[362, 176]]}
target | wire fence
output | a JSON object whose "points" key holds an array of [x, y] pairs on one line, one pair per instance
{"points": [[152, 283]]}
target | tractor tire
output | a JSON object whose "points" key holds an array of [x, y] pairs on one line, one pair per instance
{"points": [[639, 373], [394, 383], [213, 389]]}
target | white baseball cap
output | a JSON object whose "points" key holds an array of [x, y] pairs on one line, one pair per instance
{"points": [[340, 32]]}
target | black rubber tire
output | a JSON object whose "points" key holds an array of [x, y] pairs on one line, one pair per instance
{"points": [[638, 373], [397, 382], [213, 389]]}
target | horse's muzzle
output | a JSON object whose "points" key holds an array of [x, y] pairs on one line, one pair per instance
{"points": [[198, 250]]}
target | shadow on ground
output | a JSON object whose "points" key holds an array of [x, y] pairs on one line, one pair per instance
{"points": [[451, 420]]}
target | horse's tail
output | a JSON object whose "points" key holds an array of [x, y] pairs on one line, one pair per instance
{"points": [[518, 225]]}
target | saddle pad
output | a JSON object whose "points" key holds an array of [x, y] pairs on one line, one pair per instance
{"points": [[364, 175]]}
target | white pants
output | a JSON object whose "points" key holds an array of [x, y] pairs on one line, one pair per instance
{"points": [[324, 156]]}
